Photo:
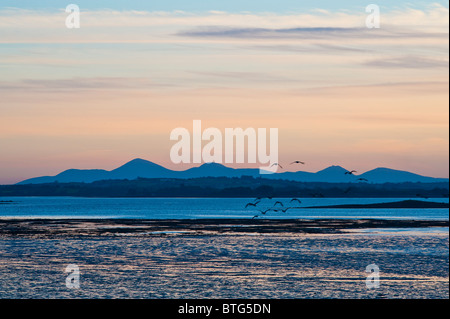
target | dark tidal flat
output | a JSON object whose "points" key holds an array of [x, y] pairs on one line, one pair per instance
{"points": [[222, 259]]}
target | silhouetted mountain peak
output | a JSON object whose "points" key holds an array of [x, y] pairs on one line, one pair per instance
{"points": [[213, 165], [386, 170], [383, 174], [142, 168], [208, 170], [72, 171], [333, 170], [138, 162]]}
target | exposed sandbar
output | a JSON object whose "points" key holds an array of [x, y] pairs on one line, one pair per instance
{"points": [[50, 228], [401, 204]]}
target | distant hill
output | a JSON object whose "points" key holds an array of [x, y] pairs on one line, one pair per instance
{"points": [[381, 175], [131, 170], [146, 169], [140, 168]]}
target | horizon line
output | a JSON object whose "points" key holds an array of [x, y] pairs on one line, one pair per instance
{"points": [[198, 165]]}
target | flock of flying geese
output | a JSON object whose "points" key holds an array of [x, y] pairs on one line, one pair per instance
{"points": [[278, 206], [296, 162]]}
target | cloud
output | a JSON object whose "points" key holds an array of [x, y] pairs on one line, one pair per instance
{"points": [[308, 48], [28, 26], [247, 76], [261, 33], [256, 49], [419, 88], [96, 83], [316, 33], [408, 62]]}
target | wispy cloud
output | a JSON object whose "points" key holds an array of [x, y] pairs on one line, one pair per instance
{"points": [[246, 76], [411, 88], [318, 33], [409, 62], [306, 48], [18, 25], [96, 83]]}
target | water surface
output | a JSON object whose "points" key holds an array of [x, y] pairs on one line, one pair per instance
{"points": [[202, 208]]}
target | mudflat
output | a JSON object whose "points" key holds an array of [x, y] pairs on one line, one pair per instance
{"points": [[221, 259], [58, 228]]}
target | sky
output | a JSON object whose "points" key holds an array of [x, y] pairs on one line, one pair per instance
{"points": [[114, 89], [209, 5]]}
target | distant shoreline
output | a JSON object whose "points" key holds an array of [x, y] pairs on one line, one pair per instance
{"points": [[400, 204], [394, 205], [225, 187]]}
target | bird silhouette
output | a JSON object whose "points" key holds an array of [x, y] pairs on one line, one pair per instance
{"points": [[350, 172], [251, 204], [362, 179], [265, 211], [298, 162], [296, 200], [276, 164], [278, 203]]}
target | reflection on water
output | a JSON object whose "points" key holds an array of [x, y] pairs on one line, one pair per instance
{"points": [[402, 231], [195, 208], [226, 267]]}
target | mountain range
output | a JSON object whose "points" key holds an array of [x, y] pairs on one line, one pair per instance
{"points": [[139, 168]]}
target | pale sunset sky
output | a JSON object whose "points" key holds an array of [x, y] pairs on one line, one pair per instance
{"points": [[114, 89]]}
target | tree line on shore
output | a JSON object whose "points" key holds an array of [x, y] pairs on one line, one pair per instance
{"points": [[223, 187]]}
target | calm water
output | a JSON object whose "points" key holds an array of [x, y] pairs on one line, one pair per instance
{"points": [[198, 208]]}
